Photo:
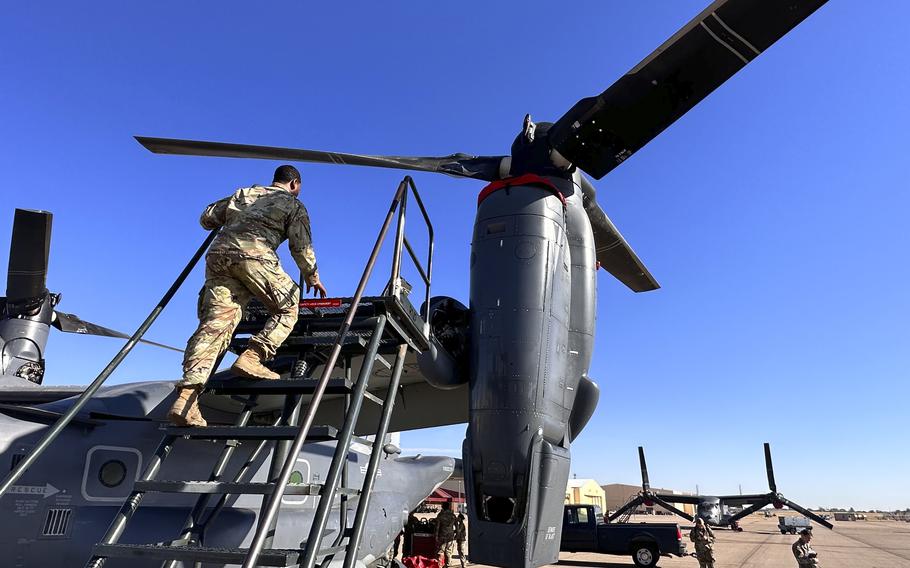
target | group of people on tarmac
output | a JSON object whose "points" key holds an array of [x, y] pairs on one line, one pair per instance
{"points": [[703, 537], [449, 532]]}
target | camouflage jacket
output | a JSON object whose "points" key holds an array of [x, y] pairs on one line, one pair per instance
{"points": [[255, 220], [802, 550], [460, 529], [703, 538], [445, 526]]}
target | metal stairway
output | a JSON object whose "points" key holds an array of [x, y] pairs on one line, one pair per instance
{"points": [[330, 334]]}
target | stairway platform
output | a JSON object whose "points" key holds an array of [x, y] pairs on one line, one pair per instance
{"points": [[279, 386]]}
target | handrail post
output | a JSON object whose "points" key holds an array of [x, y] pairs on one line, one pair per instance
{"points": [[395, 281], [67, 417]]}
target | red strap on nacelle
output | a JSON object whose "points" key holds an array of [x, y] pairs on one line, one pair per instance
{"points": [[526, 179]]}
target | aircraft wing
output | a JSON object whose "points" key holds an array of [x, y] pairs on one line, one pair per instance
{"points": [[418, 404], [670, 498], [738, 500]]}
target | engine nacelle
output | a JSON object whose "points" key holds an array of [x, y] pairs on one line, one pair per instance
{"points": [[445, 364]]}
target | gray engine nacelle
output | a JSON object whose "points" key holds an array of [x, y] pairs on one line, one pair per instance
{"points": [[22, 341], [445, 365]]}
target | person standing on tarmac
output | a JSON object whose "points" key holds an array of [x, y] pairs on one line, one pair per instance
{"points": [[445, 533], [703, 537], [803, 552], [241, 264], [460, 536]]}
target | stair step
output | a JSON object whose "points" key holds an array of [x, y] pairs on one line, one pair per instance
{"points": [[280, 386], [269, 557], [373, 398], [384, 362], [222, 487], [332, 550], [316, 434]]}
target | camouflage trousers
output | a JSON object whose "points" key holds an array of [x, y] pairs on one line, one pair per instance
{"points": [[704, 555], [229, 284], [445, 549]]}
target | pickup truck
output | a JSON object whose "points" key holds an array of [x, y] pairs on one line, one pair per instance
{"points": [[793, 524], [584, 530]]}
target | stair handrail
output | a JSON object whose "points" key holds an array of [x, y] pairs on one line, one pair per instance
{"points": [[401, 239]]}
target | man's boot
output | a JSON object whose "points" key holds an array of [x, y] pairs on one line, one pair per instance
{"points": [[249, 365], [185, 411]]}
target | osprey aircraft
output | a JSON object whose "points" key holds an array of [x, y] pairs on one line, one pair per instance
{"points": [[61, 506], [713, 508], [514, 363]]}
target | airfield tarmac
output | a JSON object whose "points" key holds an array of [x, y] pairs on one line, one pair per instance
{"points": [[859, 544]]}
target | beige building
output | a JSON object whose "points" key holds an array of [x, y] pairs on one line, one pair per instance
{"points": [[618, 494], [584, 492]]}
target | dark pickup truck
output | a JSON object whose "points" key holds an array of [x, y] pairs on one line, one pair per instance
{"points": [[584, 530]]}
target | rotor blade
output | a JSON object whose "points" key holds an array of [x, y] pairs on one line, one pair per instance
{"points": [[600, 132], [631, 504], [29, 251], [749, 510], [613, 252], [70, 323], [770, 467], [645, 482], [671, 508], [459, 165], [805, 512]]}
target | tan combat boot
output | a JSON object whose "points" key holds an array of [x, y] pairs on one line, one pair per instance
{"points": [[185, 411], [249, 365]]}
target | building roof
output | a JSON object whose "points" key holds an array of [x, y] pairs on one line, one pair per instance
{"points": [[576, 483], [444, 495]]}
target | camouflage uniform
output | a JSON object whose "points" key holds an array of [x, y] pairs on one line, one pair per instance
{"points": [[445, 534], [460, 536], [704, 545], [802, 551], [241, 264]]}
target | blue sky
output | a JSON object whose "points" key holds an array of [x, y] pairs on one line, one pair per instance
{"points": [[773, 214]]}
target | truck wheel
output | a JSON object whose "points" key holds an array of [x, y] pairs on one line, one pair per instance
{"points": [[645, 555]]}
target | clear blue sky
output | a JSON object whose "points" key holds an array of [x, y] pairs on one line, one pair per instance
{"points": [[774, 214]]}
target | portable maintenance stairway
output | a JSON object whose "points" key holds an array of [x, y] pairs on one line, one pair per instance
{"points": [[329, 333]]}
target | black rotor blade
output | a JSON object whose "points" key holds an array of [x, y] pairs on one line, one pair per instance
{"points": [[631, 504], [459, 165], [751, 509], [29, 251], [645, 482], [671, 508], [805, 512], [613, 252], [600, 132], [770, 467], [70, 323]]}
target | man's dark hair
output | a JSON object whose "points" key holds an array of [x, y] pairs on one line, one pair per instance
{"points": [[446, 505], [285, 174]]}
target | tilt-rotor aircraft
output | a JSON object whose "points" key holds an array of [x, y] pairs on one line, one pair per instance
{"points": [[63, 505], [523, 347], [714, 508]]}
